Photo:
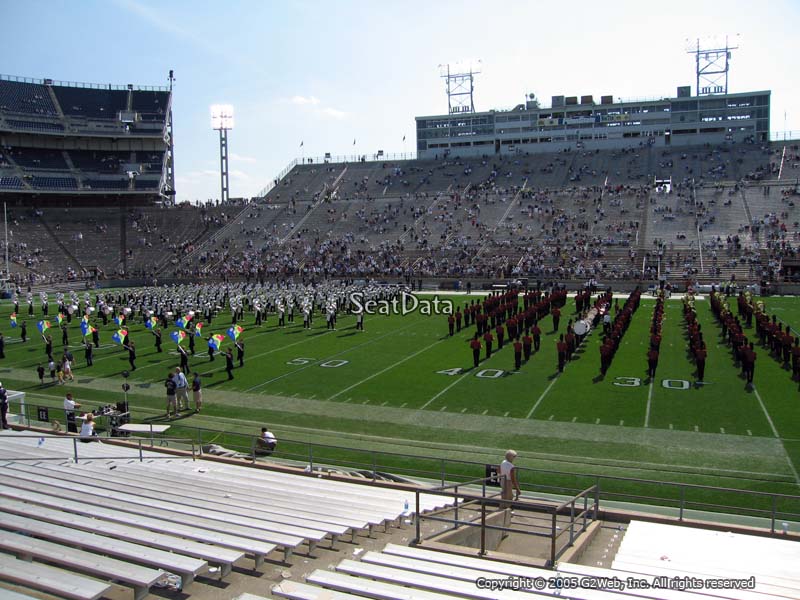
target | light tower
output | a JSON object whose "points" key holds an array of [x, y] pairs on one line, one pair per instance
{"points": [[222, 121], [712, 61], [460, 79]]}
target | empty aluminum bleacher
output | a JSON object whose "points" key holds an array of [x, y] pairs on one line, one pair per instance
{"points": [[184, 566], [96, 565], [49, 579]]}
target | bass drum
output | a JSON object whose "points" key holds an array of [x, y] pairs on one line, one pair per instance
{"points": [[580, 328]]}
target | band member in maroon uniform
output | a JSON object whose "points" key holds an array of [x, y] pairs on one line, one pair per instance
{"points": [[458, 319], [561, 348], [475, 344], [517, 354], [500, 334], [556, 313], [700, 360], [451, 324], [527, 341], [488, 338], [652, 362], [537, 336]]}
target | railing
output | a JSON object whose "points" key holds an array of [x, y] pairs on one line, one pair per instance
{"points": [[672, 499], [92, 86], [578, 521], [77, 442]]}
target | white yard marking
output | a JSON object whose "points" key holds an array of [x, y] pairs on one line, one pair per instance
{"points": [[722, 430], [365, 401], [442, 409], [463, 410], [505, 414], [597, 421], [621, 423], [312, 396], [539, 401], [670, 426], [696, 428], [749, 432], [428, 403], [384, 403], [485, 411], [348, 400], [574, 419], [389, 368], [327, 358], [649, 401], [551, 417], [403, 405], [775, 433]]}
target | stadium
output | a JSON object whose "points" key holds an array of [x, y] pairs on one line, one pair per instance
{"points": [[607, 286]]}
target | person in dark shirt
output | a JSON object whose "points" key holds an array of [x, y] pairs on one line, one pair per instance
{"points": [[652, 362], [537, 336], [229, 363], [88, 353]]}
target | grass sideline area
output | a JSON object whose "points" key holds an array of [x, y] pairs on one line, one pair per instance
{"points": [[404, 386]]}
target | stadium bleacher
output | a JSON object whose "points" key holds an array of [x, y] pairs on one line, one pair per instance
{"points": [[91, 102], [22, 97], [213, 515]]}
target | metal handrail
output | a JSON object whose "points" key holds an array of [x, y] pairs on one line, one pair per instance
{"points": [[83, 440], [671, 494]]}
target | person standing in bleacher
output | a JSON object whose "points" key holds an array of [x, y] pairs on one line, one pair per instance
{"points": [[3, 407], [69, 409], [508, 472]]}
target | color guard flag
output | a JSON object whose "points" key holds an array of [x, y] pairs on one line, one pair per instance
{"points": [[235, 331], [13, 318], [84, 328], [216, 341], [59, 318], [197, 329], [151, 322], [119, 320], [178, 336], [43, 326], [119, 336], [183, 321]]}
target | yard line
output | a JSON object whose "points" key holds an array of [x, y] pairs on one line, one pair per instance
{"points": [[424, 406], [551, 417], [463, 410], [389, 368], [775, 432], [621, 423], [722, 430], [442, 409], [327, 358], [749, 432], [539, 401], [696, 428], [574, 419], [766, 414], [506, 414], [649, 399], [485, 411], [597, 421]]}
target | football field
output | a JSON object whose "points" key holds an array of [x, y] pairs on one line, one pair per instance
{"points": [[405, 386]]}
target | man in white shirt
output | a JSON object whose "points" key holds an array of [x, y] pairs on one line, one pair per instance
{"points": [[508, 472], [181, 389], [266, 442], [69, 408]]}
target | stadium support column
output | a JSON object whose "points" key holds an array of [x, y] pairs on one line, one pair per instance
{"points": [[171, 133], [222, 121], [223, 165]]}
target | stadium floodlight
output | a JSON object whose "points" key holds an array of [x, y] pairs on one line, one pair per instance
{"points": [[222, 121], [222, 116]]}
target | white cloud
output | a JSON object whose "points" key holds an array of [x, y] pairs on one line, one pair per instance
{"points": [[332, 112], [242, 158], [237, 174], [304, 101]]}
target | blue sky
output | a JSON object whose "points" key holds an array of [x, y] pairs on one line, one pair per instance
{"points": [[327, 73]]}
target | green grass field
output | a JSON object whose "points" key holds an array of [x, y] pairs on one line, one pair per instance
{"points": [[404, 386]]}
